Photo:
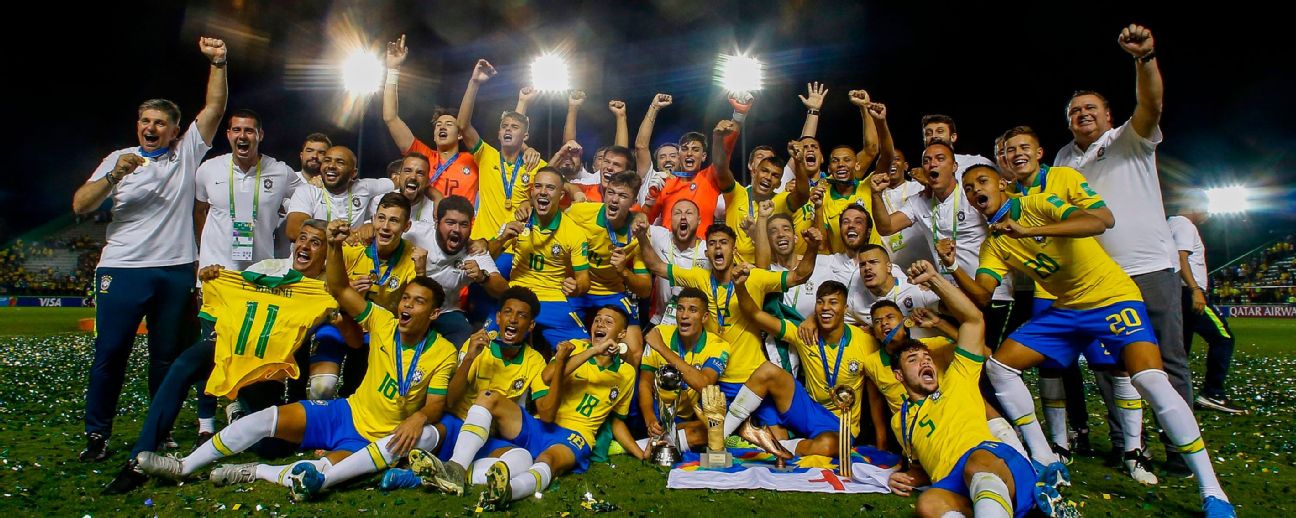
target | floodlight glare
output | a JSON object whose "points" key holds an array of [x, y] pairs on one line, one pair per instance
{"points": [[1228, 200], [740, 73], [362, 73], [549, 73]]}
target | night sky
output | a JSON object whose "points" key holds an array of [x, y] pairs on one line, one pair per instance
{"points": [[1228, 79]]}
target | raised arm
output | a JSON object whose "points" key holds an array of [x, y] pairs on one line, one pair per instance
{"points": [[654, 264], [1137, 41], [887, 222], [801, 193], [643, 139], [575, 99], [339, 285], [813, 101], [886, 146], [459, 382], [765, 321], [622, 137], [525, 95], [482, 72], [547, 406], [813, 238], [764, 255], [400, 132], [864, 158], [720, 159], [971, 331], [209, 118]]}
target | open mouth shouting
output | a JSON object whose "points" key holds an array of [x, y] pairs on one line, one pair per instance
{"points": [[980, 200], [331, 175], [412, 188], [404, 318], [783, 243], [927, 374], [812, 161], [510, 335], [301, 259], [384, 236], [690, 163], [443, 135], [243, 147], [543, 203]]}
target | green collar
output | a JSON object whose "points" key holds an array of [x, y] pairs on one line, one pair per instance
{"points": [[431, 338], [832, 189], [553, 225], [269, 281], [603, 222], [495, 351], [616, 363], [697, 348], [845, 339], [884, 356], [1014, 208]]}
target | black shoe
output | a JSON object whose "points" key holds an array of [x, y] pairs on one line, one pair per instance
{"points": [[128, 479], [1082, 445], [203, 437], [96, 448], [1064, 455], [1176, 466]]}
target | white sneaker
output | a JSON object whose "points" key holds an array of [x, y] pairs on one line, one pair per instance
{"points": [[163, 466], [1138, 469], [229, 474]]}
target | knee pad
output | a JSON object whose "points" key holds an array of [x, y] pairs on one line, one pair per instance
{"points": [[322, 387]]}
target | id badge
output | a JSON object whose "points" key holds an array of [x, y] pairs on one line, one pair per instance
{"points": [[668, 316], [896, 242], [242, 246]]}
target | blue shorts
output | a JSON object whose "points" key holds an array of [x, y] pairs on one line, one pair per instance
{"points": [[765, 414], [1023, 475], [537, 436], [588, 304], [329, 426], [557, 322], [452, 425], [805, 416], [330, 346], [1062, 334], [1097, 355]]}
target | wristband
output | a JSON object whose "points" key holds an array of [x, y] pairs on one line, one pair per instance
{"points": [[812, 111], [739, 116], [1151, 55], [393, 76], [220, 64]]}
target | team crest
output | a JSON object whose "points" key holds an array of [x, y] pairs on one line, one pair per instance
{"points": [[517, 384], [908, 302], [526, 178], [418, 376], [1039, 239], [853, 367], [613, 395], [268, 184], [355, 202], [935, 396], [961, 216], [393, 283], [555, 250], [1101, 151], [809, 287], [692, 187], [104, 282], [467, 171]]}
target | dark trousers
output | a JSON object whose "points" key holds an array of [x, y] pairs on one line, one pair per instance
{"points": [[454, 326], [1213, 327], [123, 297]]}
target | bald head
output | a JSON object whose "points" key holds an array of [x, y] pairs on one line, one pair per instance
{"points": [[338, 167]]}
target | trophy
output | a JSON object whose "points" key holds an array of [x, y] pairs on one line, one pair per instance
{"points": [[713, 410], [664, 451], [844, 398]]}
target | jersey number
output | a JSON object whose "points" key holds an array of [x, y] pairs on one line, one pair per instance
{"points": [[245, 331], [537, 262], [1043, 265], [927, 423], [1126, 318], [576, 440], [586, 405]]}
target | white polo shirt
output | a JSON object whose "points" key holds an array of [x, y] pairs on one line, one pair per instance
{"points": [[910, 244], [664, 246], [445, 268], [352, 205], [1187, 239], [424, 210], [152, 208], [859, 300], [834, 267], [953, 218], [1121, 165], [965, 161], [213, 186]]}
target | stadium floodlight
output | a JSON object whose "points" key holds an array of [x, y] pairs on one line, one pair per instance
{"points": [[1228, 200], [362, 73], [740, 73], [550, 73]]}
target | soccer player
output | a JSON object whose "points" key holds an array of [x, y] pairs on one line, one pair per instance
{"points": [[941, 128], [379, 271], [941, 428], [1049, 240], [343, 196], [543, 249], [196, 363], [666, 156], [617, 274], [1200, 316], [692, 181], [404, 389], [844, 186], [741, 203], [451, 171], [679, 246], [911, 244], [150, 250], [880, 279]]}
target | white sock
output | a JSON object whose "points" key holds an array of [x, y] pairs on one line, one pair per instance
{"points": [[279, 474], [206, 425], [322, 387], [1002, 430], [232, 439], [953, 514], [1053, 397], [790, 444], [1020, 409], [1129, 409], [517, 459], [1177, 419], [472, 435], [531, 481], [990, 497], [743, 405]]}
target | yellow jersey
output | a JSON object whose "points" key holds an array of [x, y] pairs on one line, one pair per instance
{"points": [[542, 256], [1077, 270], [878, 367], [260, 321], [600, 240], [828, 365], [740, 204], [390, 276], [497, 182], [1070, 186], [381, 402], [740, 330], [834, 204], [939, 429], [511, 378], [710, 352], [593, 392]]}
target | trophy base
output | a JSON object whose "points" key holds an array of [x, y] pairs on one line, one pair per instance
{"points": [[713, 459]]}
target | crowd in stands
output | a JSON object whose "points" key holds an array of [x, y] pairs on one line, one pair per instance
{"points": [[1264, 278], [18, 277]]}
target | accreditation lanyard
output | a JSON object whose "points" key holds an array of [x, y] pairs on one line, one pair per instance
{"points": [[242, 246], [936, 225], [328, 205], [150, 155], [403, 382], [256, 192], [823, 358], [721, 310], [907, 430], [508, 180], [751, 204], [372, 252], [441, 169]]}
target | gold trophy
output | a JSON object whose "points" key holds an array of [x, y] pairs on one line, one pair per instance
{"points": [[844, 397], [713, 410], [663, 450]]}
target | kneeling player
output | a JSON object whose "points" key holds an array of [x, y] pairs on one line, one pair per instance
{"points": [[942, 426]]}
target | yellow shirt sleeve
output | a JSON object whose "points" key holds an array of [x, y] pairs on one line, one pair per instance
{"points": [[445, 367], [1075, 189]]}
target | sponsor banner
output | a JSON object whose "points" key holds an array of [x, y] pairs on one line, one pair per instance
{"points": [[1260, 311], [46, 302]]}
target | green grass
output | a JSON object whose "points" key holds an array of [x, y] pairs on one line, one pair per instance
{"points": [[41, 321], [43, 387]]}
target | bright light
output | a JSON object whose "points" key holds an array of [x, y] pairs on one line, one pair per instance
{"points": [[549, 73], [362, 73], [739, 74], [1228, 200]]}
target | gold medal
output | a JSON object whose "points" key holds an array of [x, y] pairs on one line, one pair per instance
{"points": [[508, 204]]}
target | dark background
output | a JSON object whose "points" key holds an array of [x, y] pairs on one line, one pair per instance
{"points": [[1228, 78]]}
